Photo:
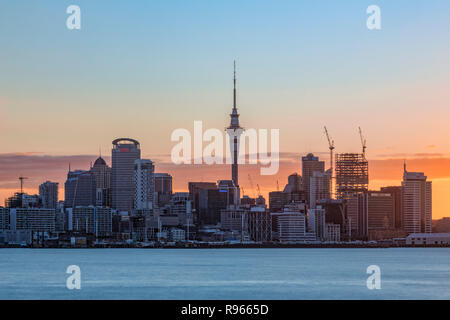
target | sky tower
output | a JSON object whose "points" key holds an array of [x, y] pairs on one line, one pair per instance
{"points": [[234, 131]]}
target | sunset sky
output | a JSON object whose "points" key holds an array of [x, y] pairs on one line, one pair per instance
{"points": [[142, 69]]}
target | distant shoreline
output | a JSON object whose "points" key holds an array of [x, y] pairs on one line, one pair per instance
{"points": [[241, 246]]}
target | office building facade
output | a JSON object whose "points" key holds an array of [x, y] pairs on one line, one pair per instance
{"points": [[124, 153]]}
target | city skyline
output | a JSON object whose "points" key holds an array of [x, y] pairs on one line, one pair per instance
{"points": [[301, 67]]}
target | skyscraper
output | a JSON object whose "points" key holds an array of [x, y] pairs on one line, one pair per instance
{"points": [[125, 151], [234, 131], [79, 189], [102, 175], [163, 189], [396, 192], [310, 164], [320, 187], [417, 212], [48, 192], [144, 180]]}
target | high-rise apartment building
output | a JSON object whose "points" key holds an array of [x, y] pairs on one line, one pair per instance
{"points": [[320, 187], [48, 192], [397, 196], [125, 151], [417, 210], [310, 164], [368, 212], [34, 219], [144, 184]]}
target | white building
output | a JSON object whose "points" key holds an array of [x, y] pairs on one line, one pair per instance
{"points": [[144, 181], [316, 222], [290, 226], [428, 238], [416, 202], [320, 187]]}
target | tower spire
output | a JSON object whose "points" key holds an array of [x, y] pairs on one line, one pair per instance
{"points": [[234, 131], [234, 85]]}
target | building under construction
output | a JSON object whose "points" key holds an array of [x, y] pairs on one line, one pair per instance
{"points": [[352, 174]]}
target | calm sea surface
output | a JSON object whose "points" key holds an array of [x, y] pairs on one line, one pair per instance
{"points": [[406, 273]]}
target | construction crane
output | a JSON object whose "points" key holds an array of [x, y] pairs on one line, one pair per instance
{"points": [[331, 147], [363, 142], [21, 183], [251, 185]]}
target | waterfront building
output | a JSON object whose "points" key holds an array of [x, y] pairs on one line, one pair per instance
{"points": [[428, 239], [333, 232], [90, 219], [316, 222], [290, 225], [397, 196], [260, 224], [34, 219], [417, 211]]}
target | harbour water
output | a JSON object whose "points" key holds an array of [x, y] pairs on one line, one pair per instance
{"points": [[406, 273]]}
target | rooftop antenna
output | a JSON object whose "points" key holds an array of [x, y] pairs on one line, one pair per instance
{"points": [[21, 183], [234, 85]]}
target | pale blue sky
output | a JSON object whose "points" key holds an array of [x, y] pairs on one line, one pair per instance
{"points": [[144, 68]]}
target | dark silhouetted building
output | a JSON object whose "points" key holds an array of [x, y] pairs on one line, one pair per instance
{"points": [[102, 175], [396, 192], [163, 189], [80, 189], [125, 151], [48, 191], [310, 164]]}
